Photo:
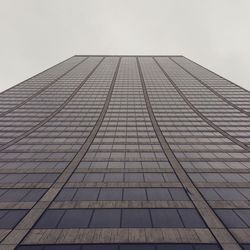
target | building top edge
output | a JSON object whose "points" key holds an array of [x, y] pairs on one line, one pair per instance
{"points": [[134, 55]]}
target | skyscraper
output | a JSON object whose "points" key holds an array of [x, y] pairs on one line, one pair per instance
{"points": [[125, 153]]}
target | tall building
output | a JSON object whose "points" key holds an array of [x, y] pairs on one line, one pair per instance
{"points": [[125, 153]]}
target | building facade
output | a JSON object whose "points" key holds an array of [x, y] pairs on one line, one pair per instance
{"points": [[125, 153]]}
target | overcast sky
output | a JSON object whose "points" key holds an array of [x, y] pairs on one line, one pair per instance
{"points": [[36, 34]]}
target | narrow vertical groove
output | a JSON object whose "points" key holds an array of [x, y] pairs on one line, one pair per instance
{"points": [[212, 90], [27, 223], [219, 231], [53, 114], [204, 118]]}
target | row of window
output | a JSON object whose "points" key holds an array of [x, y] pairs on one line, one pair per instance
{"points": [[21, 195], [119, 194], [27, 178], [33, 165], [125, 164], [215, 165], [234, 194], [220, 177], [210, 155], [120, 218], [234, 218], [205, 147], [42, 156], [136, 156], [123, 177]]}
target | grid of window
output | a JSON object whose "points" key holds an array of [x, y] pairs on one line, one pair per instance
{"points": [[19, 93], [225, 88], [214, 163], [126, 138], [125, 152], [205, 101], [32, 112]]}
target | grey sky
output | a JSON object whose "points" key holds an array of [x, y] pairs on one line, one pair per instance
{"points": [[35, 34]]}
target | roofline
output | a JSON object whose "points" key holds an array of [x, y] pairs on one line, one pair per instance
{"points": [[133, 55]]}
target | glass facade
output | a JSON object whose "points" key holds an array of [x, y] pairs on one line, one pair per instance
{"points": [[125, 153]]}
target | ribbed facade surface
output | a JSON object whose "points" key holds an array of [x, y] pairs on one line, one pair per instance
{"points": [[125, 153]]}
